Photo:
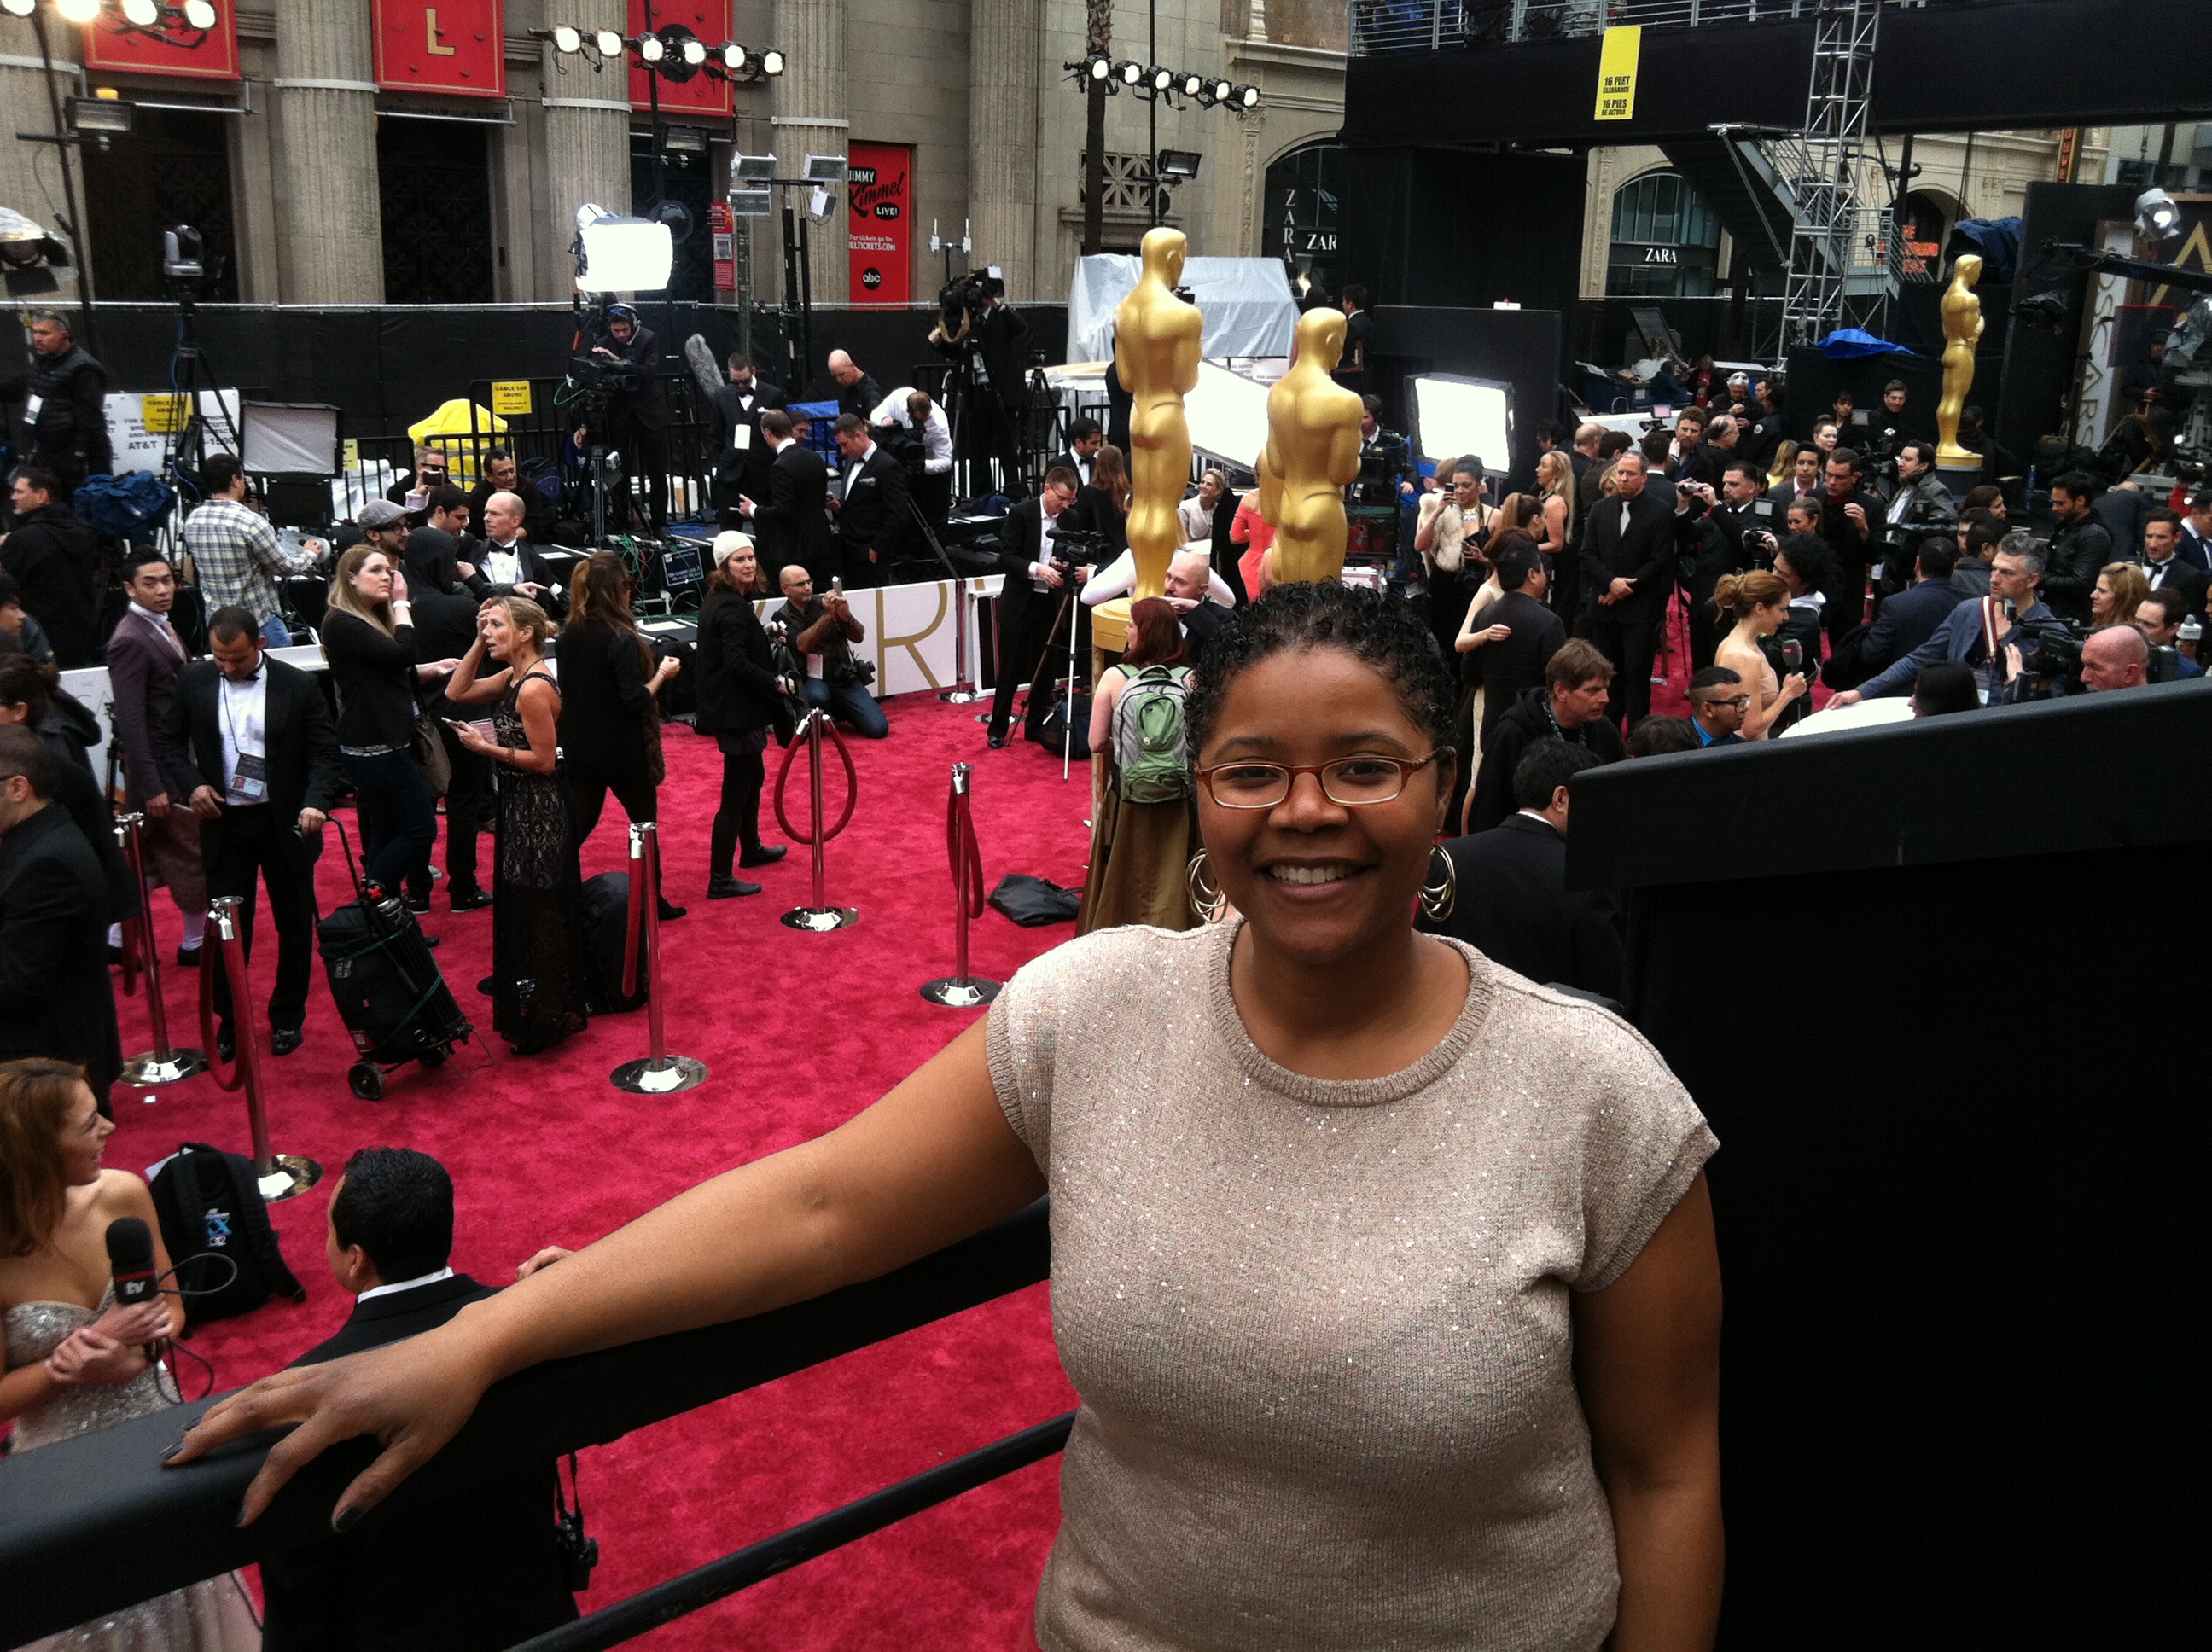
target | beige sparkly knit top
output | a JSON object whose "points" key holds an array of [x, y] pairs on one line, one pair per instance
{"points": [[1321, 1327]]}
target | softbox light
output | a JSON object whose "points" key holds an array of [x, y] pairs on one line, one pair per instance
{"points": [[623, 255], [289, 438], [1455, 417]]}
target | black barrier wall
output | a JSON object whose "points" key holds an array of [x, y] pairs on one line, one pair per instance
{"points": [[1521, 346]]}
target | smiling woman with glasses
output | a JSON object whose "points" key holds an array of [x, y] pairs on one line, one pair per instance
{"points": [[1386, 1277]]}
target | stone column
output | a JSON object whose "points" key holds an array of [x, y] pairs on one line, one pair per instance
{"points": [[329, 240], [810, 119], [1002, 139], [30, 174], [587, 117]]}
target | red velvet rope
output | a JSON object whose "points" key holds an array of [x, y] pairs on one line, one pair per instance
{"points": [[131, 930], [241, 991], [960, 834], [852, 789]]}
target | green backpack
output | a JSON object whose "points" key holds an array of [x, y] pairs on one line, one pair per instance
{"points": [[1151, 757]]}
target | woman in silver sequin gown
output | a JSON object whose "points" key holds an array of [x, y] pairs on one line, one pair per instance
{"points": [[73, 1368]]}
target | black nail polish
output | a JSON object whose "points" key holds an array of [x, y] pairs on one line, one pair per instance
{"points": [[344, 1522], [172, 1449], [240, 1521]]}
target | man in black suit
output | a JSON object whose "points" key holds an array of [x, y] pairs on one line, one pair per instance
{"points": [[1848, 515], [1519, 634], [792, 524], [741, 468], [55, 999], [1084, 438], [1916, 613], [446, 628], [858, 393], [638, 416], [508, 564], [1733, 537], [478, 1569], [1513, 905], [2164, 566], [1028, 600], [52, 556], [250, 743], [988, 354], [501, 475], [1628, 569], [870, 499], [1190, 588], [433, 554]]}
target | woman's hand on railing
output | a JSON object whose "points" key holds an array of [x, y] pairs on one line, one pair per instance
{"points": [[412, 1395]]}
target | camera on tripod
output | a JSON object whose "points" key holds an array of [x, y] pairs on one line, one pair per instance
{"points": [[1094, 546], [2057, 655], [963, 299]]}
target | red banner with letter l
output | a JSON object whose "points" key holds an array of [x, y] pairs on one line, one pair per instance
{"points": [[455, 46], [879, 187], [110, 42], [702, 93]]}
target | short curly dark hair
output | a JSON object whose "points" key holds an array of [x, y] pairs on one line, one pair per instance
{"points": [[1371, 626]]}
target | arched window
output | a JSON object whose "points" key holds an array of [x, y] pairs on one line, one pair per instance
{"points": [[1298, 220], [1666, 241]]}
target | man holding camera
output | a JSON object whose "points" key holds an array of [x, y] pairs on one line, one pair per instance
{"points": [[1030, 612], [2014, 579], [236, 556], [984, 338], [638, 415], [870, 499], [1736, 537], [822, 631]]}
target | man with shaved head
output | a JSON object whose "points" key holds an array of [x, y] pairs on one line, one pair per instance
{"points": [[858, 393], [508, 564], [2117, 657], [1190, 582]]}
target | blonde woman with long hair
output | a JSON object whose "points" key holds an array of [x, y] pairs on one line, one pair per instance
{"points": [[1555, 494]]}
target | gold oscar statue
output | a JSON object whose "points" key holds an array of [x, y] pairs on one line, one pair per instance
{"points": [[1312, 454], [1962, 330], [1155, 346]]}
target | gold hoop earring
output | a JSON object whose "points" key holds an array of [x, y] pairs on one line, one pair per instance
{"points": [[1207, 905], [1440, 898]]}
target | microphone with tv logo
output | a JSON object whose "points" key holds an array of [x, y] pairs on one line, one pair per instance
{"points": [[130, 1259]]}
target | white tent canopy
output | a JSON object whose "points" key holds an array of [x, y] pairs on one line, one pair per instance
{"points": [[1247, 303]]}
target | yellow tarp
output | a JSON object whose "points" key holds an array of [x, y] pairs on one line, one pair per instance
{"points": [[456, 419]]}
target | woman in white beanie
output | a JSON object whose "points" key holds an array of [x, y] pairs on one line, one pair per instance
{"points": [[738, 690]]}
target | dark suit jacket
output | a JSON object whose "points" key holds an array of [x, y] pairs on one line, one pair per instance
{"points": [[141, 676], [863, 396], [1202, 625], [1515, 909], [792, 523], [1907, 620], [2178, 575], [737, 673], [1518, 662], [55, 999], [735, 410], [81, 796], [873, 514], [1645, 555], [52, 553], [471, 1572], [535, 570], [537, 514], [304, 770]]}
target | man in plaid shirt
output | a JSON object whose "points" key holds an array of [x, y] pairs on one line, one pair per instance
{"points": [[236, 556]]}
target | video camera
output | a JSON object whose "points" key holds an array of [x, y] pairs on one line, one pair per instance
{"points": [[1096, 547], [2055, 657], [962, 300], [601, 378]]}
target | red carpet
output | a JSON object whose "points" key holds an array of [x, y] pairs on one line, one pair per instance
{"points": [[801, 1031]]}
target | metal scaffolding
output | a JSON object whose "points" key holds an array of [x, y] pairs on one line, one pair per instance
{"points": [[1840, 248]]}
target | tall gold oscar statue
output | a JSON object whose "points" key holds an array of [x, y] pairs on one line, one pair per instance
{"points": [[1312, 454], [1962, 331], [1156, 347]]}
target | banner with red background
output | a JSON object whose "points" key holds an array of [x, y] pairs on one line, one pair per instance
{"points": [[110, 43], [703, 94], [455, 46], [879, 190]]}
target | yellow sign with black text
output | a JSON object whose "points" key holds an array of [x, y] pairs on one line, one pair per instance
{"points": [[1616, 73], [510, 396]]}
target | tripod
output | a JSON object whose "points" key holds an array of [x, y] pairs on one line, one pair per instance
{"points": [[190, 379], [964, 407]]}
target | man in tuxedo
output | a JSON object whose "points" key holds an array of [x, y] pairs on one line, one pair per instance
{"points": [[474, 1571], [639, 416], [1513, 904], [857, 391], [2197, 531], [2164, 564], [509, 564], [1520, 634], [433, 552], [144, 655], [55, 998], [1190, 588], [1848, 515], [1628, 566], [504, 476], [1917, 612], [741, 469], [446, 628], [2159, 617], [792, 524], [1084, 438], [1028, 600], [251, 745], [870, 500]]}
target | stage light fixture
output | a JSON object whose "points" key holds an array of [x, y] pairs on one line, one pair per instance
{"points": [[733, 57], [651, 48], [80, 11], [752, 203], [622, 254], [27, 255], [1130, 73], [141, 14], [685, 140], [200, 14], [2157, 217], [19, 7], [607, 43], [818, 205], [825, 169], [1159, 79], [1096, 68], [1248, 97], [1192, 85], [771, 62], [99, 117], [1222, 90], [1453, 415], [1178, 166], [752, 168], [565, 39], [694, 50]]}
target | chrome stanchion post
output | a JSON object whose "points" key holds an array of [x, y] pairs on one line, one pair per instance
{"points": [[960, 990], [821, 917], [1067, 704], [963, 691], [281, 1175], [161, 1065], [660, 1073]]}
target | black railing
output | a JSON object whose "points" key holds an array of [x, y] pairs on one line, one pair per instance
{"points": [[93, 1524]]}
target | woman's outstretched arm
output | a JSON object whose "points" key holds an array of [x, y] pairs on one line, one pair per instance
{"points": [[930, 1163]]}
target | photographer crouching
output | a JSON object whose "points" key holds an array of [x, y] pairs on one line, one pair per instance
{"points": [[637, 416], [821, 631]]}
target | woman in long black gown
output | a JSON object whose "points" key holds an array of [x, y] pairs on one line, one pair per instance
{"points": [[538, 935]]}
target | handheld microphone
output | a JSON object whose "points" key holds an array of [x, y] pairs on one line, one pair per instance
{"points": [[130, 1259]]}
